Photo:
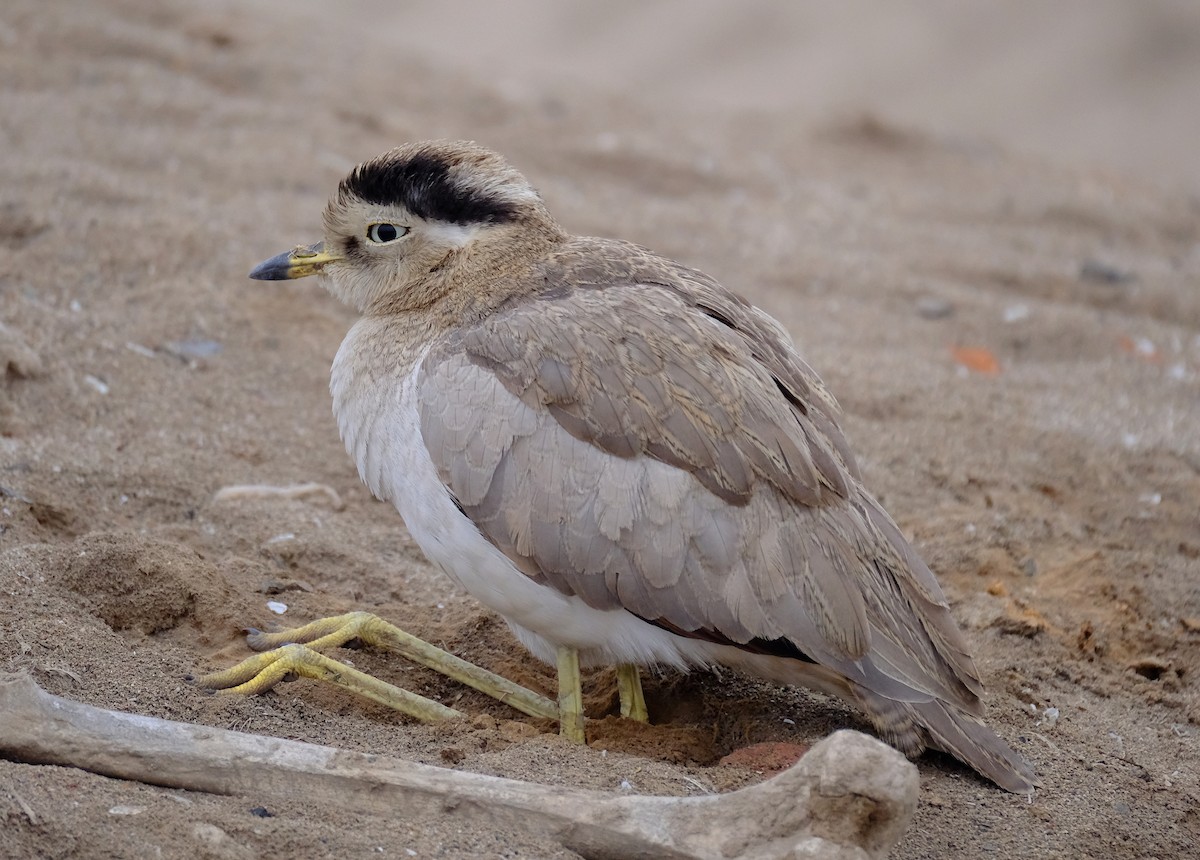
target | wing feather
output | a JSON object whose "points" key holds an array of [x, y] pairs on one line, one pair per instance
{"points": [[660, 447]]}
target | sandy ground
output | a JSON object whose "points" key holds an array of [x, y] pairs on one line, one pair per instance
{"points": [[1016, 343]]}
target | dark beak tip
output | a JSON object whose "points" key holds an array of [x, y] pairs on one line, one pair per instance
{"points": [[274, 269]]}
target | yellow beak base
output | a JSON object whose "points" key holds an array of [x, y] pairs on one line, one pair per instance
{"points": [[300, 262]]}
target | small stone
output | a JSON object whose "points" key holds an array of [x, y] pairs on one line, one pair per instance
{"points": [[193, 349], [1016, 313], [768, 758], [1102, 273], [934, 308], [96, 383], [127, 810], [209, 833], [218, 844]]}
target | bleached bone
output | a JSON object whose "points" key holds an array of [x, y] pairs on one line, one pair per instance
{"points": [[850, 798]]}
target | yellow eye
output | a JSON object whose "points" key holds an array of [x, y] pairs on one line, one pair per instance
{"points": [[381, 234]]}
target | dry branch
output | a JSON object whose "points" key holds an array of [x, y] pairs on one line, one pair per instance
{"points": [[849, 797]]}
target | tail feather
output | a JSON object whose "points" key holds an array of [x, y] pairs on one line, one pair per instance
{"points": [[908, 726], [912, 726]]}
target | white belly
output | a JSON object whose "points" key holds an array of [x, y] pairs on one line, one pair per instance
{"points": [[384, 439]]}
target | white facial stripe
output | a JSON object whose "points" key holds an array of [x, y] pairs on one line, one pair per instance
{"points": [[457, 235]]}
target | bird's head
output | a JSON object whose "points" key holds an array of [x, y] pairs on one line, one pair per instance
{"points": [[410, 227]]}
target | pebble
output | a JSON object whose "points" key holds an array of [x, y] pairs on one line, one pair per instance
{"points": [[1103, 273], [1016, 313], [127, 810], [934, 308], [218, 844], [95, 382], [189, 349]]}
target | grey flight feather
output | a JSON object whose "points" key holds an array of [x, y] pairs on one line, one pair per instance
{"points": [[659, 446]]}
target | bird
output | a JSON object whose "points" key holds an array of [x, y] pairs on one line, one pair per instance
{"points": [[628, 462]]}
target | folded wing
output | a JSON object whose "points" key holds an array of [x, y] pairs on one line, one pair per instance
{"points": [[660, 447]]}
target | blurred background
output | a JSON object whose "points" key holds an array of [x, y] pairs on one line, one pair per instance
{"points": [[1102, 82]]}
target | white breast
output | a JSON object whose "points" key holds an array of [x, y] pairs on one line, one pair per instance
{"points": [[378, 415]]}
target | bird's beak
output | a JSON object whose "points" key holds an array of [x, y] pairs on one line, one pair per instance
{"points": [[300, 262]]}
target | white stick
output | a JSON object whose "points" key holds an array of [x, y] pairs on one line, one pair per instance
{"points": [[850, 797], [295, 491]]}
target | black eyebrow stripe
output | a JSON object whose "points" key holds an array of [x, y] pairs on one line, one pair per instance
{"points": [[423, 185]]}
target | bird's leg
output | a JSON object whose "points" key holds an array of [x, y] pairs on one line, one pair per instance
{"points": [[570, 695], [296, 652], [629, 687]]}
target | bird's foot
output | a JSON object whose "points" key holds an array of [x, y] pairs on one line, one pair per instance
{"points": [[297, 652], [262, 672]]}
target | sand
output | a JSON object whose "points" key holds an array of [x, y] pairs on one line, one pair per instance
{"points": [[1015, 341]]}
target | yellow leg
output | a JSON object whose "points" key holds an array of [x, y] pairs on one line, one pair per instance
{"points": [[570, 695], [263, 671], [629, 686]]}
